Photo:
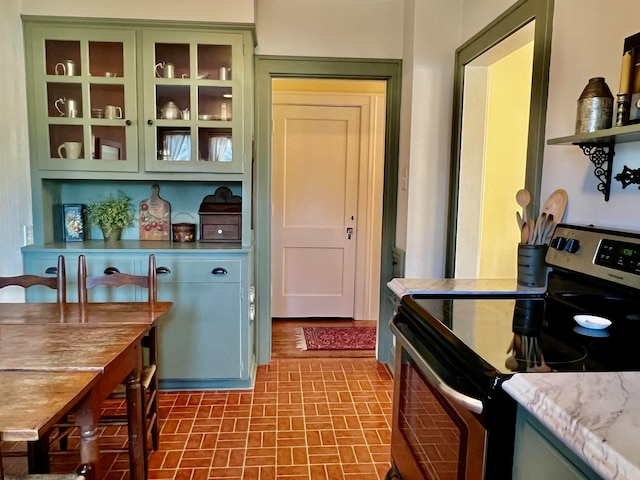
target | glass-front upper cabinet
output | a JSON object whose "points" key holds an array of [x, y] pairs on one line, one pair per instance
{"points": [[193, 101], [84, 99]]}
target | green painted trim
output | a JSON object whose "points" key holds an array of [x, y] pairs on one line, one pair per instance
{"points": [[269, 67], [510, 21], [140, 23]]}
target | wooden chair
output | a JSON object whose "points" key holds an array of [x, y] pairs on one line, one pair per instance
{"points": [[59, 282], [149, 375], [37, 450]]}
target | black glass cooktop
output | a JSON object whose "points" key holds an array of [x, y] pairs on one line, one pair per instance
{"points": [[531, 334]]}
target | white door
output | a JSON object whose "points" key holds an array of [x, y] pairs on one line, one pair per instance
{"points": [[316, 151]]}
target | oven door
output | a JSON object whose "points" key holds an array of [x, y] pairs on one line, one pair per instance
{"points": [[437, 431]]}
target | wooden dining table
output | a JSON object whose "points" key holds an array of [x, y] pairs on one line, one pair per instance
{"points": [[101, 340]]}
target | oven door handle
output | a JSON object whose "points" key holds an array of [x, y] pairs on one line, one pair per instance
{"points": [[472, 404]]}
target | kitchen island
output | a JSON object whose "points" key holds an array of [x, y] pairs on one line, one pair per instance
{"points": [[595, 414]]}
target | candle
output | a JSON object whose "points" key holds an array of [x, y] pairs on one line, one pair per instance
{"points": [[625, 74]]}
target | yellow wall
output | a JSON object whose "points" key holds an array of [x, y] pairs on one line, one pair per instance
{"points": [[509, 79]]}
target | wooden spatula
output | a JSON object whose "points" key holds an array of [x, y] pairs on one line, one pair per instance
{"points": [[556, 205]]}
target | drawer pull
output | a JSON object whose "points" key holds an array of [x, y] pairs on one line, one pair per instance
{"points": [[219, 271], [52, 270], [111, 271], [163, 271]]}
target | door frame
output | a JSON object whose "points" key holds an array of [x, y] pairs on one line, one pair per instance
{"points": [[269, 67], [514, 18]]}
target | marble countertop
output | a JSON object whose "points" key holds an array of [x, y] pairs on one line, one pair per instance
{"points": [[596, 414], [459, 286]]}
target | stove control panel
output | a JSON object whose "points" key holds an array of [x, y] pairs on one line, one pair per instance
{"points": [[604, 254]]}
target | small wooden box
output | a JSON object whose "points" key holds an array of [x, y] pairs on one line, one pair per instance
{"points": [[221, 217]]}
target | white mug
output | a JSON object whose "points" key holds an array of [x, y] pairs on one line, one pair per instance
{"points": [[111, 112], [72, 150]]}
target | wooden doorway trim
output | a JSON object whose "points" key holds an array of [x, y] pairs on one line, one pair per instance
{"points": [[269, 67]]}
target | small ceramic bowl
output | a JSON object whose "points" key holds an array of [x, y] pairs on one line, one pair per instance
{"points": [[591, 321]]}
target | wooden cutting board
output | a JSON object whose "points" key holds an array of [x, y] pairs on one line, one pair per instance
{"points": [[155, 217]]}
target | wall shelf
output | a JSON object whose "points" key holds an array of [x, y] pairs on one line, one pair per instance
{"points": [[599, 146], [626, 134]]}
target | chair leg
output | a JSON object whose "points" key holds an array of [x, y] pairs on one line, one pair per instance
{"points": [[38, 455]]}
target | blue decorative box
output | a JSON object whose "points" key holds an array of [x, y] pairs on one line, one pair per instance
{"points": [[73, 222]]}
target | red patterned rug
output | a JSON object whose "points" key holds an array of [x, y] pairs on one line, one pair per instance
{"points": [[337, 338]]}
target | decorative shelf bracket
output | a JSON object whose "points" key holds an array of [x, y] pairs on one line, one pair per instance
{"points": [[629, 176], [602, 158]]}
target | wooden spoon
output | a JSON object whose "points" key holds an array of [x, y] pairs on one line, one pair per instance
{"points": [[524, 233], [540, 224], [523, 197], [548, 229], [532, 231]]}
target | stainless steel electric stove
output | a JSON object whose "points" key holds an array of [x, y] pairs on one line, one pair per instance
{"points": [[451, 419]]}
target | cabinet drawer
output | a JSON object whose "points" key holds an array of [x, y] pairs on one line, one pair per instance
{"points": [[220, 227], [222, 232], [199, 271]]}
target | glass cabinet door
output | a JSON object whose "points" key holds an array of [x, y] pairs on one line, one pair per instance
{"points": [[193, 102], [84, 99]]}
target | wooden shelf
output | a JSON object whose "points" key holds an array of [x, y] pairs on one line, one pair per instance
{"points": [[626, 134]]}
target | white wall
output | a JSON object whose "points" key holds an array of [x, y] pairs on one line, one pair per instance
{"points": [[330, 28], [431, 36], [477, 14], [15, 200], [588, 38]]}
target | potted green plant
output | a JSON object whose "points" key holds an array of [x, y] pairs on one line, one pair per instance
{"points": [[112, 214]]}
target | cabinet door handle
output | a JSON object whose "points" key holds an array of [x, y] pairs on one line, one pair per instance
{"points": [[128, 122], [52, 270], [111, 271], [163, 271], [149, 122], [219, 271]]}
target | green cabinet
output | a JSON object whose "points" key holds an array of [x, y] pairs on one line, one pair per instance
{"points": [[118, 97], [193, 101], [206, 341], [539, 454], [119, 103], [82, 91]]}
